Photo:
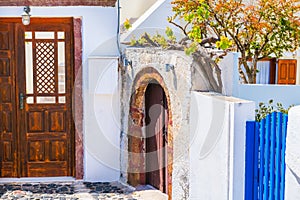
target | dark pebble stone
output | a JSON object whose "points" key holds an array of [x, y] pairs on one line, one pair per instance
{"points": [[88, 184], [53, 185], [64, 189], [16, 187], [99, 188], [9, 187]]}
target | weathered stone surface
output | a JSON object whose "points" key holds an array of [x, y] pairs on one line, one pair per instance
{"points": [[67, 191], [149, 65]]}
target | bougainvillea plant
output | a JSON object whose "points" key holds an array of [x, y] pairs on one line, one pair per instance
{"points": [[257, 29]]}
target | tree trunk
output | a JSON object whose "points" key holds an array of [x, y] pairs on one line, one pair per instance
{"points": [[250, 76]]}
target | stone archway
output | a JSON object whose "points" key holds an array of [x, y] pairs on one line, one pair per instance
{"points": [[136, 132]]}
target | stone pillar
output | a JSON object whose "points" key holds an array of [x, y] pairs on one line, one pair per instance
{"points": [[292, 172]]}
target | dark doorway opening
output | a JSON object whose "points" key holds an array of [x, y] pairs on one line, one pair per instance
{"points": [[156, 137]]}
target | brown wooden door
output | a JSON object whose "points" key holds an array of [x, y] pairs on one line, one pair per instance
{"points": [[42, 88], [156, 142], [287, 70], [8, 120]]}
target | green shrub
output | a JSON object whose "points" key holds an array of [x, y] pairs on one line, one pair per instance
{"points": [[265, 109]]}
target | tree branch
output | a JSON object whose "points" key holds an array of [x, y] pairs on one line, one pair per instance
{"points": [[209, 40], [180, 27], [149, 40]]}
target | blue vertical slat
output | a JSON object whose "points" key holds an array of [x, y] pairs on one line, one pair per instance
{"points": [[284, 130], [272, 156], [250, 130], [267, 156], [278, 155], [261, 157], [256, 161]]}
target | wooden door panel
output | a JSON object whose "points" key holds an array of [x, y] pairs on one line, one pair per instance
{"points": [[4, 67], [5, 35], [282, 75], [7, 120], [36, 151], [8, 139], [35, 121], [49, 120], [58, 150], [36, 124], [57, 121], [292, 72], [42, 169], [287, 72]]}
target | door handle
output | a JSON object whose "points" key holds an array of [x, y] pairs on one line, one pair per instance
{"points": [[21, 100]]}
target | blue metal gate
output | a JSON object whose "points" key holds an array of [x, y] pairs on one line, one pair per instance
{"points": [[265, 158]]}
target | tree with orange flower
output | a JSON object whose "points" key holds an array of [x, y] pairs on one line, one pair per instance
{"points": [[257, 29]]}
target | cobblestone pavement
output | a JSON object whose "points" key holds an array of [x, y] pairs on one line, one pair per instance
{"points": [[67, 191]]}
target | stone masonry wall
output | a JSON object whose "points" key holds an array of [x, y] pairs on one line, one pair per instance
{"points": [[148, 65]]}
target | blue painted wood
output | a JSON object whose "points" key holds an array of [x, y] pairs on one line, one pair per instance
{"points": [[272, 156], [265, 165], [262, 158], [278, 155], [256, 161], [250, 131], [284, 131], [267, 158]]}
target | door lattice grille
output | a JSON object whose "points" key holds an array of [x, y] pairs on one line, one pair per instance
{"points": [[45, 67]]}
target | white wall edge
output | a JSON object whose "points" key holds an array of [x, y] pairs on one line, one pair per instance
{"points": [[141, 19]]}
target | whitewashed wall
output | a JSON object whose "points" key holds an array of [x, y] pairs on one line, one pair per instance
{"points": [[134, 8], [217, 146], [101, 133], [153, 21], [102, 118], [227, 71], [285, 94], [292, 176]]}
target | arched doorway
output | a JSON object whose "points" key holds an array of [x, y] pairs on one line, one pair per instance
{"points": [[156, 121], [137, 134]]}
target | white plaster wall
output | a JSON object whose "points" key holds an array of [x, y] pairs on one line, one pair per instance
{"points": [[99, 24], [292, 176], [217, 146], [227, 73], [285, 94], [101, 133], [134, 8], [102, 119], [153, 21]]}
